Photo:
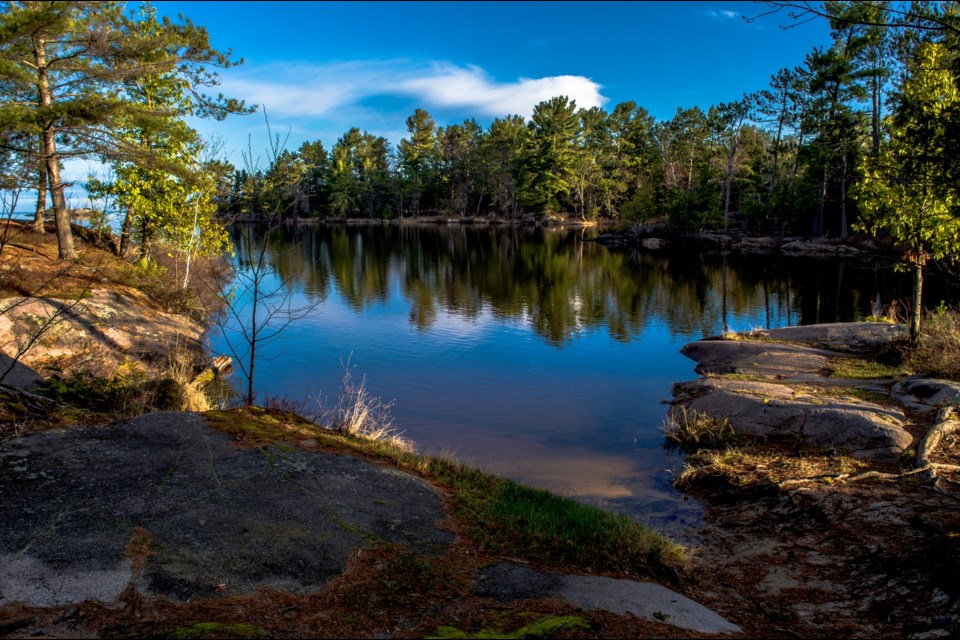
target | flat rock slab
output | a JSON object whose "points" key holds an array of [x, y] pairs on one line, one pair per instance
{"points": [[507, 582], [846, 336], [751, 357], [815, 247], [168, 505], [103, 330], [865, 429]]}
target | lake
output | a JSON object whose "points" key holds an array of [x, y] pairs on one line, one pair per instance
{"points": [[534, 353]]}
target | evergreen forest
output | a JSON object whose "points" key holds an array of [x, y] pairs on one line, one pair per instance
{"points": [[860, 137]]}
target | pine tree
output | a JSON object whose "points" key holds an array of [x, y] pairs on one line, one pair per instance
{"points": [[71, 66], [907, 189]]}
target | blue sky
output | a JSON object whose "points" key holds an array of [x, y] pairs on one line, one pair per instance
{"points": [[321, 67]]}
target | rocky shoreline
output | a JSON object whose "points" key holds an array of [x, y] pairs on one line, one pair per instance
{"points": [[818, 522], [525, 221], [656, 237], [823, 516], [776, 384]]}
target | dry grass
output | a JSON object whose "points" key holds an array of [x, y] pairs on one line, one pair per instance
{"points": [[938, 353], [760, 464], [360, 414], [755, 333], [691, 430], [182, 366]]}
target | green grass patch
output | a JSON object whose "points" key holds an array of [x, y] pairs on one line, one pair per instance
{"points": [[255, 426], [505, 517], [865, 369], [217, 630], [541, 628], [500, 515]]}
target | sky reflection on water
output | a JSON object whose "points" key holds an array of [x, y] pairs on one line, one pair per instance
{"points": [[532, 353]]}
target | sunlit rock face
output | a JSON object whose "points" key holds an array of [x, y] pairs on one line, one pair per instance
{"points": [[864, 429]]}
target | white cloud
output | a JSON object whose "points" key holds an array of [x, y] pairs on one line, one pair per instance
{"points": [[452, 86], [304, 90], [728, 15]]}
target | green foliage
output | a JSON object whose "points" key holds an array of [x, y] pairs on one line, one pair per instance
{"points": [[358, 179], [93, 81], [544, 627], [907, 188], [203, 630], [123, 395], [638, 209], [418, 156], [149, 269]]}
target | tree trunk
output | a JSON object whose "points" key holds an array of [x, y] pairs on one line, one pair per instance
{"points": [[723, 294], [917, 310], [843, 198], [727, 183], [125, 231], [38, 217], [818, 221], [49, 136], [60, 214], [772, 180], [254, 337], [876, 104], [144, 240]]}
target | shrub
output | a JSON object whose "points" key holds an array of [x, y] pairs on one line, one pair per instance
{"points": [[938, 352], [121, 396], [691, 430]]}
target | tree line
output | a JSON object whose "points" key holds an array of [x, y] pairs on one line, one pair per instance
{"points": [[469, 270], [860, 137], [788, 157]]}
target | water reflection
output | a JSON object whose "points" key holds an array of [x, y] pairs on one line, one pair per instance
{"points": [[562, 285], [533, 352]]}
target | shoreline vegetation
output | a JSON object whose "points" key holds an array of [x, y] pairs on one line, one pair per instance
{"points": [[102, 371], [808, 532], [650, 236], [761, 493], [830, 489]]}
